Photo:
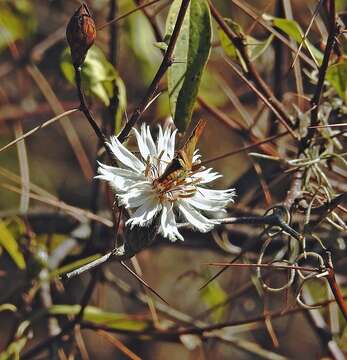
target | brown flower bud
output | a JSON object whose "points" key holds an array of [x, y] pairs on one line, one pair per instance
{"points": [[80, 34]]}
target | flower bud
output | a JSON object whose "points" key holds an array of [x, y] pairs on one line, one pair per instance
{"points": [[80, 34]]}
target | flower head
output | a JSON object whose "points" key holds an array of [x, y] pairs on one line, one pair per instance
{"points": [[146, 185]]}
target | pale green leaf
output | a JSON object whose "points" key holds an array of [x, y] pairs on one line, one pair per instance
{"points": [[9, 243], [257, 47], [213, 295], [227, 45], [190, 57], [140, 39], [98, 316], [99, 78], [161, 45], [254, 47], [17, 22], [13, 350], [8, 307], [294, 31], [337, 77]]}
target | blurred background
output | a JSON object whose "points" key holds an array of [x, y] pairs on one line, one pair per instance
{"points": [[49, 198]]}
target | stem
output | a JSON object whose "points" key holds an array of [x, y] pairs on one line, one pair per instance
{"points": [[84, 108], [166, 63], [315, 101]]}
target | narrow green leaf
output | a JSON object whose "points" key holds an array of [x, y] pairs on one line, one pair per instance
{"points": [[9, 243], [254, 47], [257, 47], [13, 350], [190, 57], [226, 43], [337, 77], [121, 97], [294, 31], [98, 316], [213, 295], [162, 45], [8, 307], [140, 37]]}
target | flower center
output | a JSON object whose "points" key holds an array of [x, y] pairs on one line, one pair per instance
{"points": [[179, 184]]}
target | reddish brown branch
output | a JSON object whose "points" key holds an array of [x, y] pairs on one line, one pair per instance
{"points": [[252, 72], [165, 64]]}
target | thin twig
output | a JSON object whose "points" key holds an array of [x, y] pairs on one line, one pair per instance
{"points": [[258, 19], [245, 148], [68, 327], [333, 32], [267, 101], [263, 89], [175, 333], [166, 63], [87, 113], [118, 344], [37, 128], [140, 7]]}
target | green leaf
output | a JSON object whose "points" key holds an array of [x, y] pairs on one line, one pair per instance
{"points": [[227, 45], [9, 243], [254, 47], [257, 47], [139, 39], [98, 316], [162, 45], [337, 77], [120, 95], [8, 307], [190, 57], [99, 78], [17, 21], [13, 350], [210, 89], [294, 31], [213, 295], [340, 5]]}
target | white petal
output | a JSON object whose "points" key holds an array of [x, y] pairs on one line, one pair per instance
{"points": [[163, 141], [120, 179], [125, 156], [206, 176], [199, 221], [135, 197], [201, 202], [160, 140], [227, 194], [145, 214], [148, 140], [126, 173], [171, 145], [168, 223], [142, 146]]}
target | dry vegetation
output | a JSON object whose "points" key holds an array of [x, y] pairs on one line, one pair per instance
{"points": [[270, 79]]}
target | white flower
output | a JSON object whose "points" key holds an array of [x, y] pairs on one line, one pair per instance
{"points": [[139, 187]]}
